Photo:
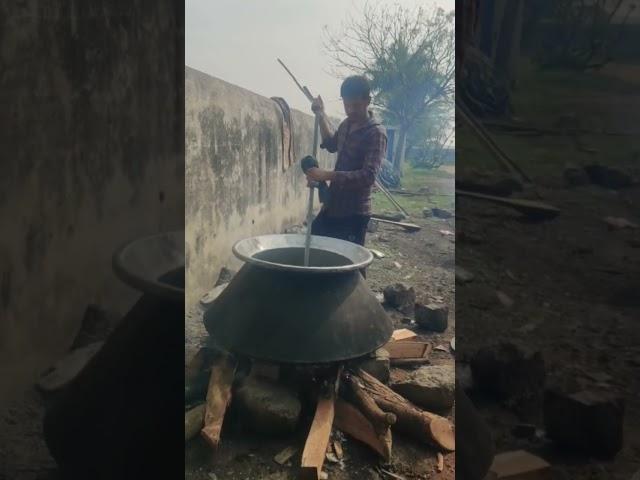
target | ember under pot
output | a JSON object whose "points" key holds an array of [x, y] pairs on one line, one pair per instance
{"points": [[276, 309]]}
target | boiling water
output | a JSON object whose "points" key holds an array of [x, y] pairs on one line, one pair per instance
{"points": [[295, 256]]}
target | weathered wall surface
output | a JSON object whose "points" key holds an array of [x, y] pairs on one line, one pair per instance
{"points": [[92, 146], [235, 183]]}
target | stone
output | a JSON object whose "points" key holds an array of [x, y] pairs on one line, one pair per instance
{"points": [[403, 334], [463, 276], [504, 299], [588, 421], [519, 465], [509, 371], [431, 387], [608, 177], [441, 213], [400, 296], [433, 317], [575, 177], [372, 226], [285, 455], [379, 365], [269, 407], [225, 276]]}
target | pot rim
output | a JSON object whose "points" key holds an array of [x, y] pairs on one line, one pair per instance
{"points": [[245, 250], [141, 280]]}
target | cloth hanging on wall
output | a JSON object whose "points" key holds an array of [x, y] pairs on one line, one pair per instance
{"points": [[287, 133]]}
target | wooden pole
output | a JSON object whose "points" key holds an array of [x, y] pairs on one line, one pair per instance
{"points": [[317, 442], [218, 398]]}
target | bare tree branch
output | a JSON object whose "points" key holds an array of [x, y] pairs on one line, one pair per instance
{"points": [[408, 54]]}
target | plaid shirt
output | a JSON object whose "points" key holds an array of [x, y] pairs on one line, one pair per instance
{"points": [[360, 155]]}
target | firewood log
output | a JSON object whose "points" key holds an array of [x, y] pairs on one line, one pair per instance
{"points": [[424, 426], [380, 420]]}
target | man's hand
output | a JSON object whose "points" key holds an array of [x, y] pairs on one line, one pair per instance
{"points": [[319, 175], [317, 106]]}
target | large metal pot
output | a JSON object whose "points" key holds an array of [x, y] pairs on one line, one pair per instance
{"points": [[276, 309], [121, 418]]}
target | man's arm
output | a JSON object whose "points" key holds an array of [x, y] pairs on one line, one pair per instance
{"points": [[329, 137], [325, 129], [376, 151]]}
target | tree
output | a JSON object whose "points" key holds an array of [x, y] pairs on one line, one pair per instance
{"points": [[429, 141], [407, 54], [585, 31]]}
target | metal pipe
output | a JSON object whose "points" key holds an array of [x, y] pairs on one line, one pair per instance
{"points": [[307, 243]]}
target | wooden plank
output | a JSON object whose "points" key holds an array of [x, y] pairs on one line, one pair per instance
{"points": [[315, 447], [352, 422], [403, 334], [285, 455], [408, 349], [520, 465], [391, 199], [529, 208], [218, 398], [337, 447], [398, 217], [411, 227], [409, 362]]}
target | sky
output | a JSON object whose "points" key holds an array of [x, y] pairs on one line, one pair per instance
{"points": [[239, 40]]}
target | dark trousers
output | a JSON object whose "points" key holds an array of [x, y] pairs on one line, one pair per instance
{"points": [[352, 229]]}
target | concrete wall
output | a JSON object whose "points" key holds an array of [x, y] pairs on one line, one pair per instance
{"points": [[235, 183], [92, 148]]}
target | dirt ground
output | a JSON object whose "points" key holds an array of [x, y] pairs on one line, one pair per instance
{"points": [[23, 453], [425, 261], [574, 282]]}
